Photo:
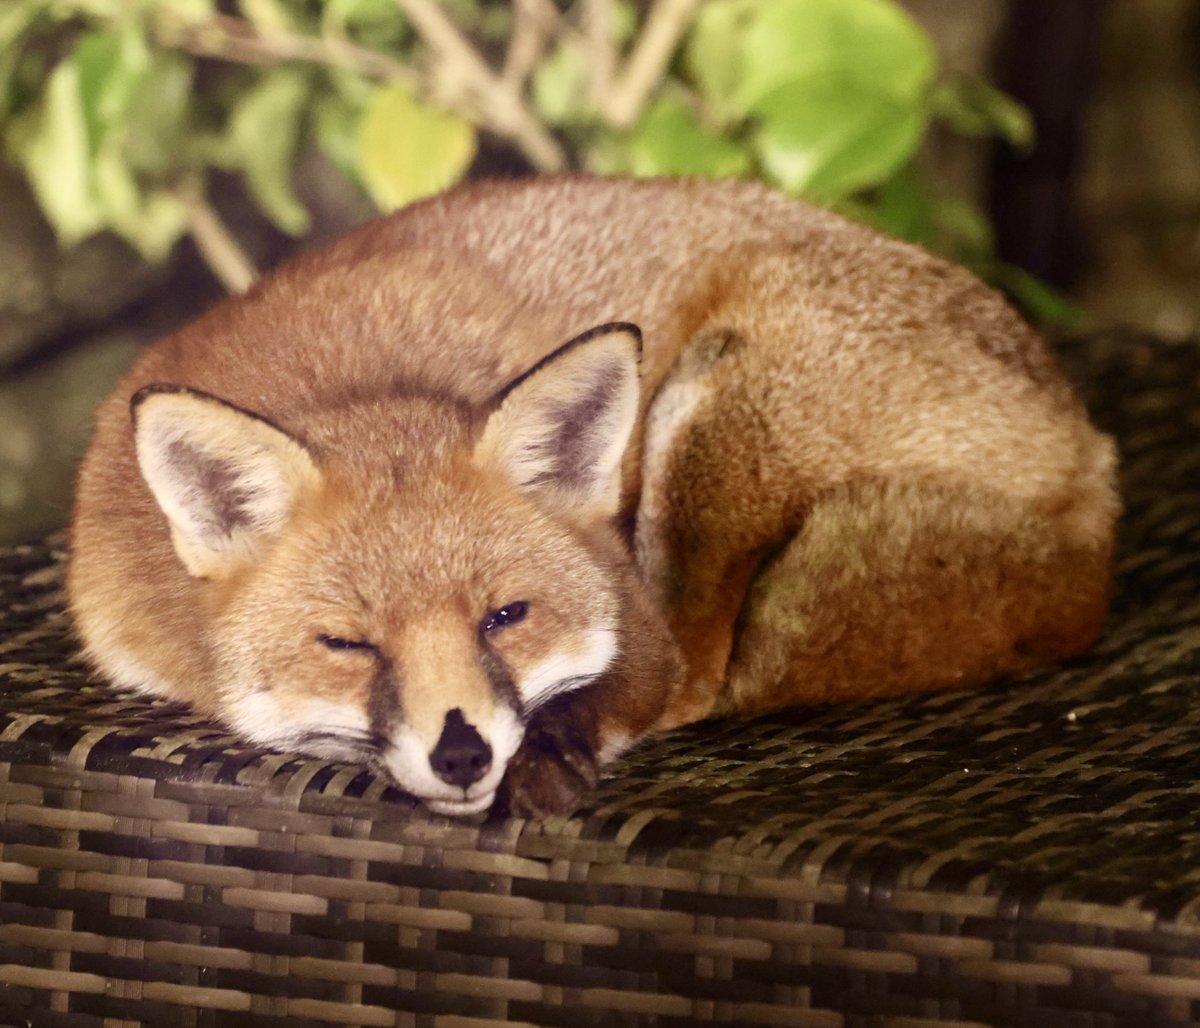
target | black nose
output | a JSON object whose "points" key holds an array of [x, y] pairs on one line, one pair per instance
{"points": [[460, 757]]}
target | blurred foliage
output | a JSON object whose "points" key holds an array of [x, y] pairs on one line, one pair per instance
{"points": [[118, 110]]}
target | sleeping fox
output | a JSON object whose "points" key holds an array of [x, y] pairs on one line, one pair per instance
{"points": [[494, 487]]}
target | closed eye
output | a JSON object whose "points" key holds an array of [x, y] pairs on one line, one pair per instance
{"points": [[336, 642]]}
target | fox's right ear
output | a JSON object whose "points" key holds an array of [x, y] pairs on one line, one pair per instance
{"points": [[225, 479], [561, 429]]}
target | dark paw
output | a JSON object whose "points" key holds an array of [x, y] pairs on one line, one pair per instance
{"points": [[551, 771]]}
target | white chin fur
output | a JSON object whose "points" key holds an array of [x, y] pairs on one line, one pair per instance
{"points": [[407, 761], [462, 808]]}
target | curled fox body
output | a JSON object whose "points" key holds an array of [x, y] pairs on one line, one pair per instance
{"points": [[494, 487]]}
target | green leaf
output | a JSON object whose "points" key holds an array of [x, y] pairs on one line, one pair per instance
{"points": [[903, 207], [350, 86], [338, 15], [1038, 301], [827, 138], [964, 232], [607, 154], [715, 54], [115, 188], [151, 223], [51, 144], [161, 220], [409, 150], [261, 141], [495, 24], [836, 87], [376, 24], [862, 41], [17, 21], [560, 85], [972, 107], [669, 140], [72, 148], [336, 121], [157, 126], [625, 21], [112, 69]]}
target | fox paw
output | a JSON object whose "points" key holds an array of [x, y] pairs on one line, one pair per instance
{"points": [[553, 768]]}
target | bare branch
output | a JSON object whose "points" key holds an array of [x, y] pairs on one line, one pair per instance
{"points": [[599, 29], [644, 69], [537, 22], [221, 251], [551, 19], [497, 104], [228, 38], [502, 108]]}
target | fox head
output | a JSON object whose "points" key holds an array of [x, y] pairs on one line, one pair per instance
{"points": [[404, 579]]}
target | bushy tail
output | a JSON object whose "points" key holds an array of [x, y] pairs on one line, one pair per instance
{"points": [[892, 588]]}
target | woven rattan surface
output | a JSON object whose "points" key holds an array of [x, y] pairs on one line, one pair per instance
{"points": [[1024, 854]]}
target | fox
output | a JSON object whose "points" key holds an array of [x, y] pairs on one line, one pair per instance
{"points": [[497, 486]]}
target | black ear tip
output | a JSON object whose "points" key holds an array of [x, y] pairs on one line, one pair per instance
{"points": [[143, 394], [170, 389], [636, 332], [608, 328]]}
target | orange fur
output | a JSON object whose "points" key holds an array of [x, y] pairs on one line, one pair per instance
{"points": [[850, 470]]}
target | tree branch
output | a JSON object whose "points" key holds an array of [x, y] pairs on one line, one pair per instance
{"points": [[220, 250], [537, 21], [644, 69], [502, 108], [599, 30], [228, 38], [495, 102]]}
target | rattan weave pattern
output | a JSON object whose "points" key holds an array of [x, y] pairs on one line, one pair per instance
{"points": [[1024, 854]]}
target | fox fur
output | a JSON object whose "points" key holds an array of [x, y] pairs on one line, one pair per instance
{"points": [[494, 487]]}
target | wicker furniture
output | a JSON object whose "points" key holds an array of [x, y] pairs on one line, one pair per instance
{"points": [[1024, 854]]}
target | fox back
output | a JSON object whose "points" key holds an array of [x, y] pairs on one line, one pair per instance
{"points": [[493, 487]]}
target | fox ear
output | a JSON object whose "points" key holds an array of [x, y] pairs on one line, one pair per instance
{"points": [[225, 479], [562, 427]]}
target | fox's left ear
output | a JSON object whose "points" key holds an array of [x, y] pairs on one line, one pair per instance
{"points": [[226, 479], [562, 427]]}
